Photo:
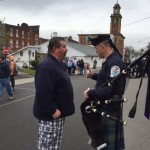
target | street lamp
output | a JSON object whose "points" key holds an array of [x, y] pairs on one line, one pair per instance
{"points": [[29, 53]]}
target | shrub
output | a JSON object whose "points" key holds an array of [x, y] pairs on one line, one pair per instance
{"points": [[34, 63]]}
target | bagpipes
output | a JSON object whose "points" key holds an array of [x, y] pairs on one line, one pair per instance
{"points": [[91, 109], [92, 119], [95, 105]]}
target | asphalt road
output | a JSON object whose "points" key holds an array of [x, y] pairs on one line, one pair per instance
{"points": [[18, 127]]}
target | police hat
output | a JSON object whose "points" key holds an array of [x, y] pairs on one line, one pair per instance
{"points": [[99, 39]]}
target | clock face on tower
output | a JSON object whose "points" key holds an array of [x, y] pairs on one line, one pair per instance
{"points": [[116, 10]]}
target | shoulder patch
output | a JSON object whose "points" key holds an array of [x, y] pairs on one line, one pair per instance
{"points": [[115, 70]]}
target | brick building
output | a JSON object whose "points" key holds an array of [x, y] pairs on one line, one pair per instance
{"points": [[115, 30], [17, 37]]}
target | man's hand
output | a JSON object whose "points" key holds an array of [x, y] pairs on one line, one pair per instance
{"points": [[85, 95], [57, 114], [89, 73]]}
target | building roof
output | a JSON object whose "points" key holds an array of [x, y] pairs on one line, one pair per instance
{"points": [[117, 6], [88, 50], [24, 48]]}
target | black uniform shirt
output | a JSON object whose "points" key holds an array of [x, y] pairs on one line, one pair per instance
{"points": [[110, 68]]}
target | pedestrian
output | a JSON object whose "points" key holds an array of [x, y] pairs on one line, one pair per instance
{"points": [[12, 70], [4, 78], [81, 67], [75, 65], [69, 64], [53, 97], [78, 66], [94, 64], [113, 131]]}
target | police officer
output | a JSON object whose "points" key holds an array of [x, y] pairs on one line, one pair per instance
{"points": [[113, 65]]}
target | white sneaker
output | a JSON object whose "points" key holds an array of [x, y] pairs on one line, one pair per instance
{"points": [[11, 97]]}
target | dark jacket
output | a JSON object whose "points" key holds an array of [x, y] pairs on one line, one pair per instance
{"points": [[53, 90], [4, 69], [105, 92]]}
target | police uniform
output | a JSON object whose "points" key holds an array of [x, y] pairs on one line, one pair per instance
{"points": [[113, 131]]}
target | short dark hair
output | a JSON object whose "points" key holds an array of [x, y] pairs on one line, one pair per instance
{"points": [[54, 43]]}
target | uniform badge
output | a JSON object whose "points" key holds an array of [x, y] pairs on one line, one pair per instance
{"points": [[115, 70]]}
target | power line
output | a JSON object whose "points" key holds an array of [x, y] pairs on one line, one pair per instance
{"points": [[136, 21]]}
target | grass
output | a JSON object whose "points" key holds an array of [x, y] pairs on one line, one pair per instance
{"points": [[28, 71]]}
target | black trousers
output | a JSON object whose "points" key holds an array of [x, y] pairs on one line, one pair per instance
{"points": [[12, 80]]}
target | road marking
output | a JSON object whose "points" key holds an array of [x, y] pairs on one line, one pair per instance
{"points": [[24, 88], [15, 101]]}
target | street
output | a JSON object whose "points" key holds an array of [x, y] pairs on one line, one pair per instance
{"points": [[18, 127]]}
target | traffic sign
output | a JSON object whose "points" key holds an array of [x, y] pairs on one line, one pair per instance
{"points": [[6, 50]]}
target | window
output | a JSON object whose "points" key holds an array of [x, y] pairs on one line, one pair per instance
{"points": [[83, 41], [11, 43], [36, 42], [16, 33], [17, 45], [28, 35], [32, 54], [21, 53], [116, 11], [11, 32], [22, 34], [114, 20], [22, 43], [36, 37]]}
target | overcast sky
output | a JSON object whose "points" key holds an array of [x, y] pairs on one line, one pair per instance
{"points": [[73, 17]]}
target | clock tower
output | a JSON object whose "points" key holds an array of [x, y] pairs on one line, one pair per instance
{"points": [[115, 27]]}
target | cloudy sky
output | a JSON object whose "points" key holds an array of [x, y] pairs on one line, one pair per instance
{"points": [[73, 17]]}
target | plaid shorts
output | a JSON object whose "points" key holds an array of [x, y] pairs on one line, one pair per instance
{"points": [[50, 134]]}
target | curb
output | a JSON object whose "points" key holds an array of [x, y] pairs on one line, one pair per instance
{"points": [[25, 80]]}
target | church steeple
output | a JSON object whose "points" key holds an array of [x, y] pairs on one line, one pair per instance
{"points": [[115, 27], [115, 24]]}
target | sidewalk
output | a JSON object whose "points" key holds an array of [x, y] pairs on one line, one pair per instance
{"points": [[25, 78]]}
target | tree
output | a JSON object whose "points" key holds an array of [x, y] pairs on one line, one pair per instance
{"points": [[2, 34], [34, 63], [148, 45]]}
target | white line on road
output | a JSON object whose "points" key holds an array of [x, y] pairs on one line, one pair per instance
{"points": [[15, 101], [24, 88]]}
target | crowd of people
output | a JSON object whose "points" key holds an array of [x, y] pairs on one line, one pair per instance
{"points": [[7, 72], [78, 67]]}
